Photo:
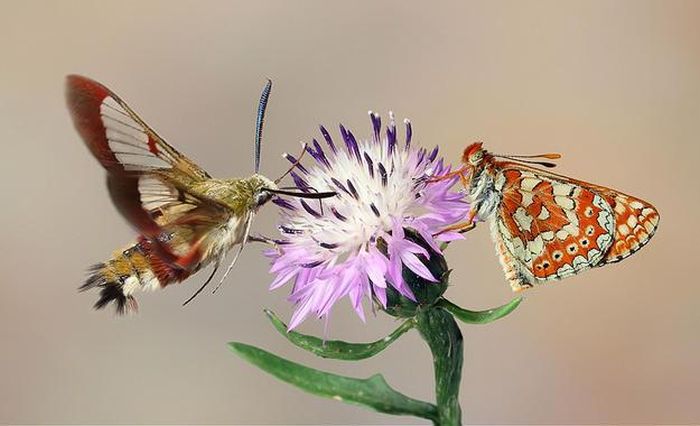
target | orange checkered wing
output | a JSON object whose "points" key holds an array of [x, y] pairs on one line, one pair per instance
{"points": [[550, 226]]}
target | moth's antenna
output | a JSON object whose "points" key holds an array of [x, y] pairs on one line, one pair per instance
{"points": [[206, 283], [260, 121], [295, 162]]}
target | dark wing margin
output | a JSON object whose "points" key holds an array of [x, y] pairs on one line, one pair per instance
{"points": [[120, 140]]}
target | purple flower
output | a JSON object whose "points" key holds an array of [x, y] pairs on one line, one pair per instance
{"points": [[354, 243]]}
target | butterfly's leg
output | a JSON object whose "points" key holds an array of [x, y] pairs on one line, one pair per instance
{"points": [[447, 176], [462, 227]]}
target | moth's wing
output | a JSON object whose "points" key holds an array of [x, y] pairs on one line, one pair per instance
{"points": [[120, 140], [182, 224], [549, 228], [150, 182]]}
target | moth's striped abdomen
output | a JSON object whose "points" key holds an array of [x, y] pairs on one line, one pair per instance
{"points": [[134, 269]]}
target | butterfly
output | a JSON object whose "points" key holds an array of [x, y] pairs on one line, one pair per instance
{"points": [[185, 218], [548, 226]]}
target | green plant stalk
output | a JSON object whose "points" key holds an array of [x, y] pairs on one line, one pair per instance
{"points": [[440, 331]]}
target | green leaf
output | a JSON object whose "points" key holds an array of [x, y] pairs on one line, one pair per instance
{"points": [[480, 317], [372, 392], [337, 349]]}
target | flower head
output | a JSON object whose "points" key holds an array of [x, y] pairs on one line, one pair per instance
{"points": [[354, 244]]}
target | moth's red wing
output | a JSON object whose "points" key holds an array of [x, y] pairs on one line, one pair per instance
{"points": [[120, 140], [550, 229]]}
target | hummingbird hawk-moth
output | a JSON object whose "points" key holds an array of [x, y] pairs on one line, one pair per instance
{"points": [[185, 218]]}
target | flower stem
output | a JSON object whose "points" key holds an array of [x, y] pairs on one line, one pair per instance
{"points": [[441, 333]]}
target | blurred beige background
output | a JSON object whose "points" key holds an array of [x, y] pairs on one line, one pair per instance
{"points": [[614, 86]]}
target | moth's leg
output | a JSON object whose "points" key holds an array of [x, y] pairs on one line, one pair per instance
{"points": [[263, 239]]}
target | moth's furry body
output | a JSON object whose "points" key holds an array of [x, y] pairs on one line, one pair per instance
{"points": [[138, 267]]}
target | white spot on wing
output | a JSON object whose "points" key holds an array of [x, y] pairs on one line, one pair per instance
{"points": [[593, 255], [571, 229], [619, 208], [565, 202], [623, 229], [649, 226], [647, 211], [579, 261], [561, 189], [523, 219], [528, 183], [535, 246], [604, 241]]}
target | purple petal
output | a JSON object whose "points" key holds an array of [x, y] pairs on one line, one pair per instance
{"points": [[283, 278], [376, 125], [381, 295], [328, 139], [409, 133], [414, 264]]}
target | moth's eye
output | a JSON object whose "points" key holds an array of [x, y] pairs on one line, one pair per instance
{"points": [[262, 197]]}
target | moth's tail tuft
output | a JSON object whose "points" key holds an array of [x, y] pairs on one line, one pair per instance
{"points": [[111, 287]]}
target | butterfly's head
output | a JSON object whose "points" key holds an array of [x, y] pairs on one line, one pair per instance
{"points": [[474, 154]]}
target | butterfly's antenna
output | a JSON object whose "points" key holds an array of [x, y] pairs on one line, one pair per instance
{"points": [[238, 253], [314, 195], [295, 162], [206, 283], [549, 156], [519, 160], [259, 122]]}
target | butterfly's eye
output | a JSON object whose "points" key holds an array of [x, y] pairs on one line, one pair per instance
{"points": [[476, 157]]}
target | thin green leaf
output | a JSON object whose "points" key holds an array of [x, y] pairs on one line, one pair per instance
{"points": [[372, 392], [479, 317], [337, 349]]}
